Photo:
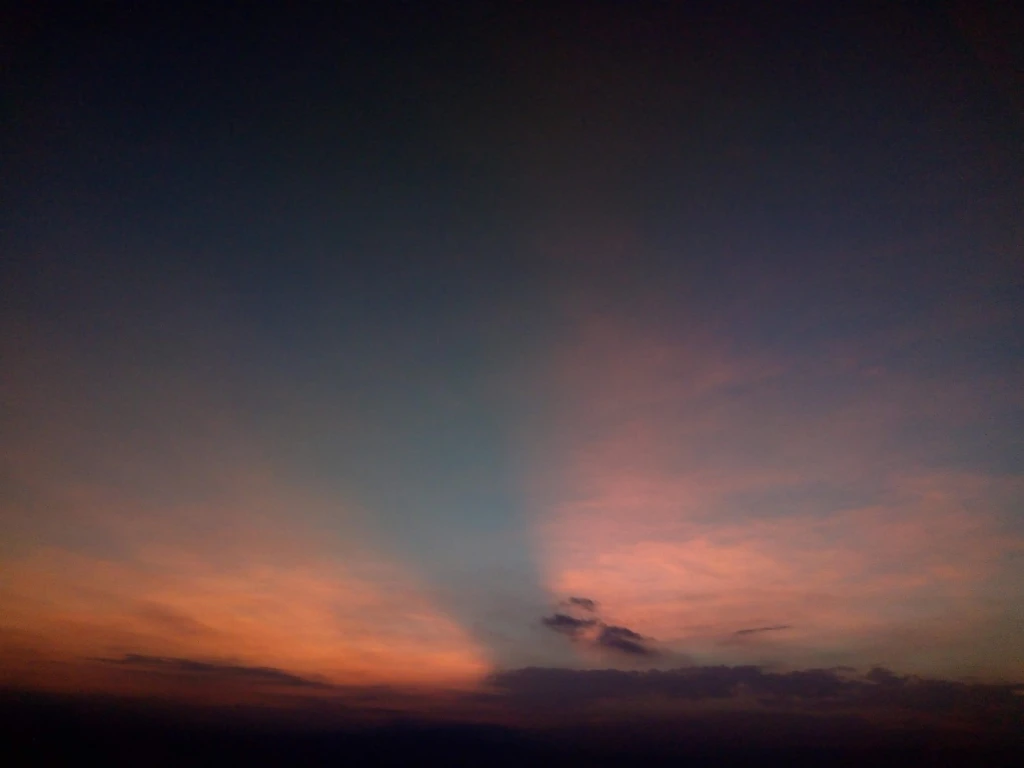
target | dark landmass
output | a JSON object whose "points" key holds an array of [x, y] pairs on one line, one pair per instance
{"points": [[45, 729]]}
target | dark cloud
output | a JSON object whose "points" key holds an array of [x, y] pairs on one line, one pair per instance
{"points": [[692, 683], [624, 640], [567, 625], [884, 676], [816, 690], [582, 602], [755, 630], [609, 637], [213, 671]]}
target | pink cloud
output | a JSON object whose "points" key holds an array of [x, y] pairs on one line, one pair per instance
{"points": [[698, 493]]}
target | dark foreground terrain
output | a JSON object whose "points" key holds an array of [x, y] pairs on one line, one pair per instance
{"points": [[38, 729]]}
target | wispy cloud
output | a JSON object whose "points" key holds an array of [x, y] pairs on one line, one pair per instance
{"points": [[216, 671], [755, 630]]}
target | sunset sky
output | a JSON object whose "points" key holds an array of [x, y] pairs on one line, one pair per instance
{"points": [[415, 349]]}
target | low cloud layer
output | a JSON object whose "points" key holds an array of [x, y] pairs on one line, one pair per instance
{"points": [[750, 687]]}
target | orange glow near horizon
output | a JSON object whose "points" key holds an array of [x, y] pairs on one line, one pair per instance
{"points": [[243, 587], [310, 620]]}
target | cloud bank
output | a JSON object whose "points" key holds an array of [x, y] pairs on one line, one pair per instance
{"points": [[880, 691]]}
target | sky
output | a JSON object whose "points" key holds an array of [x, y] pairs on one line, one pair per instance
{"points": [[484, 353]]}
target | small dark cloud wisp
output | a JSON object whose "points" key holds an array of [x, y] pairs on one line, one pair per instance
{"points": [[566, 624], [624, 640], [213, 671], [608, 637], [755, 630], [582, 602]]}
